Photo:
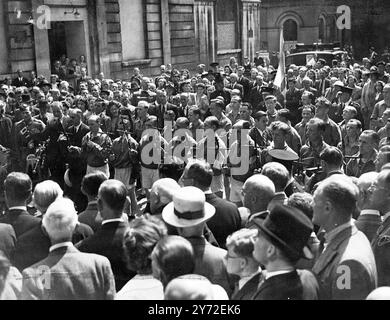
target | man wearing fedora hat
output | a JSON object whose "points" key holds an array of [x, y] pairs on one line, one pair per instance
{"points": [[346, 267], [281, 242], [189, 212]]}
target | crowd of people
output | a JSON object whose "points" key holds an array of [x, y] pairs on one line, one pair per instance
{"points": [[214, 184]]}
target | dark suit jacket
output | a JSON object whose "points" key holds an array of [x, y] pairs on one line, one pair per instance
{"points": [[34, 245], [381, 247], [21, 221], [77, 137], [348, 250], [248, 290], [69, 275], [21, 83], [256, 99], [89, 217], [295, 285], [154, 110], [7, 239], [244, 81], [318, 85], [224, 93], [261, 141], [209, 262], [108, 242], [226, 219], [236, 86], [368, 224]]}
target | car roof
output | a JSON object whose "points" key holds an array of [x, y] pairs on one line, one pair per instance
{"points": [[330, 52]]}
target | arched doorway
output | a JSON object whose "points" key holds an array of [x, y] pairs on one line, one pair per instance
{"points": [[290, 30], [322, 29]]}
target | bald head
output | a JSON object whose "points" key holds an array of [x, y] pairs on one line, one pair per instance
{"points": [[364, 182], [162, 193], [382, 293], [193, 287], [258, 192]]}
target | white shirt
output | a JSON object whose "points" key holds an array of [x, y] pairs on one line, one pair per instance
{"points": [[112, 220], [78, 127], [61, 244]]}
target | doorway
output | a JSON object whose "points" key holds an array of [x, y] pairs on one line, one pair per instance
{"points": [[67, 38]]}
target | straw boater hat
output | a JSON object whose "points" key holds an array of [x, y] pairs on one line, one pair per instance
{"points": [[188, 208]]}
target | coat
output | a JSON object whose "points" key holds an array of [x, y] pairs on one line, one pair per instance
{"points": [[7, 239], [295, 285], [73, 275], [226, 219], [368, 224], [108, 242], [77, 137], [381, 247], [209, 262], [346, 269], [248, 290], [20, 220], [33, 246]]}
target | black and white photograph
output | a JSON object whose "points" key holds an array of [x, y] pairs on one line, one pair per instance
{"points": [[213, 151]]}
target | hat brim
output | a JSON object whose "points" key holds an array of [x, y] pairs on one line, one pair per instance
{"points": [[305, 253], [172, 219]]}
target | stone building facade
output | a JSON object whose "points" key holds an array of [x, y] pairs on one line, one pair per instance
{"points": [[117, 35]]}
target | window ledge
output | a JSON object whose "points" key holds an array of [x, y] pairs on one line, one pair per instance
{"points": [[130, 63], [229, 51]]}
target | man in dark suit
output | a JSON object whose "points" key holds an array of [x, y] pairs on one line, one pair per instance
{"points": [[369, 220], [346, 268], [280, 243], [20, 80], [260, 133], [240, 261], [33, 246], [234, 84], [7, 239], [108, 240], [56, 151], [18, 187], [66, 273], [256, 95], [322, 83], [244, 81], [227, 218], [220, 90], [160, 107]]}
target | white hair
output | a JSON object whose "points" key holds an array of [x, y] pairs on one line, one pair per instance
{"points": [[60, 219]]}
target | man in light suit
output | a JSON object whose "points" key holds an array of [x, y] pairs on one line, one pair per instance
{"points": [[346, 269], [369, 220], [67, 274], [380, 200]]}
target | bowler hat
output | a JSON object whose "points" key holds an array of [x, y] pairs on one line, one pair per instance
{"points": [[188, 208], [288, 229]]}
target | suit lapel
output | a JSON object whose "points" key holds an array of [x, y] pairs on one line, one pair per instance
{"points": [[331, 252]]}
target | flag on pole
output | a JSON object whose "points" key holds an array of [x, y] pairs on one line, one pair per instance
{"points": [[280, 75]]}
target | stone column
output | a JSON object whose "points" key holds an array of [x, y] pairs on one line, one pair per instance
{"points": [[205, 31], [250, 28]]}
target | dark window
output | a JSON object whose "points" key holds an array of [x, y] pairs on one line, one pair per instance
{"points": [[321, 29], [290, 30], [227, 24]]}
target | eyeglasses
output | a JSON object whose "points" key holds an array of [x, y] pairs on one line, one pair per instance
{"points": [[374, 186], [243, 192], [227, 257]]}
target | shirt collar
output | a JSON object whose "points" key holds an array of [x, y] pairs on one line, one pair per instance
{"points": [[333, 233], [208, 191], [369, 212], [112, 220], [92, 202], [244, 280], [78, 127], [18, 208], [67, 244], [277, 273], [386, 216]]}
